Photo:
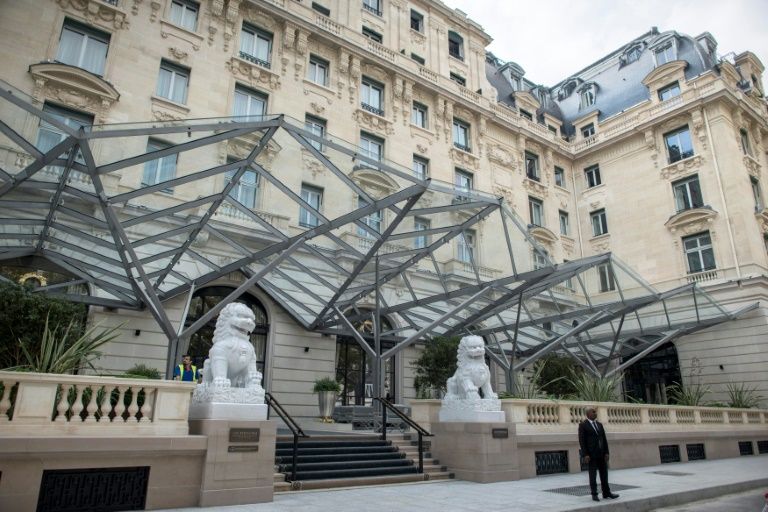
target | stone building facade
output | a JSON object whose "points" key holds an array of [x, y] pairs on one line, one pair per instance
{"points": [[656, 153]]}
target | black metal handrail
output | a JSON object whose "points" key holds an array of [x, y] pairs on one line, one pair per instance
{"points": [[292, 426], [421, 431]]}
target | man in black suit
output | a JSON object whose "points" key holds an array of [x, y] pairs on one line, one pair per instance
{"points": [[594, 449]]}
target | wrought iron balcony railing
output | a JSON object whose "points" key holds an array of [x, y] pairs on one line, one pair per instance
{"points": [[255, 60]]}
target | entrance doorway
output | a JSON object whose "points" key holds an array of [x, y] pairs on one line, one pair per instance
{"points": [[354, 368], [200, 342], [648, 379]]}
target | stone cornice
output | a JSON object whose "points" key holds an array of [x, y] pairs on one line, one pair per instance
{"points": [[691, 221]]}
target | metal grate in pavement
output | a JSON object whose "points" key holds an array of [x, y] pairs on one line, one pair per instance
{"points": [[671, 473], [583, 490]]}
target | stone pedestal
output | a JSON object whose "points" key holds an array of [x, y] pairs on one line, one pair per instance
{"points": [[457, 415], [228, 411], [239, 463], [478, 452]]}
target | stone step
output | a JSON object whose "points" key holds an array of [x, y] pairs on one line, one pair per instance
{"points": [[330, 483]]}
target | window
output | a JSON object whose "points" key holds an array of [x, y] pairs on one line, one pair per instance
{"points": [[245, 190], [419, 115], [420, 167], [605, 278], [559, 177], [532, 166], [418, 59], [756, 193], [249, 103], [373, 6], [552, 128], [372, 35], [455, 45], [665, 54], [526, 114], [564, 223], [458, 79], [184, 14], [466, 246], [668, 92], [255, 45], [539, 261], [699, 253], [588, 95], [461, 135], [372, 147], [160, 169], [588, 131], [420, 224], [48, 136], [633, 54], [313, 196], [83, 47], [599, 222], [536, 210], [746, 147], [372, 220], [417, 21], [318, 70], [372, 96], [592, 174], [463, 181], [172, 82], [687, 194], [321, 9], [316, 126], [679, 145]]}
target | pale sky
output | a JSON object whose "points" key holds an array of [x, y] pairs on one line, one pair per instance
{"points": [[553, 39]]}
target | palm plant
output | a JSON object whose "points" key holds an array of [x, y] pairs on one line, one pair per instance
{"points": [[742, 396], [60, 352], [532, 387], [594, 389], [692, 394]]}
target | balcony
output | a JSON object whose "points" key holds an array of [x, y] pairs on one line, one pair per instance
{"points": [[255, 60], [703, 276], [372, 9], [462, 147], [372, 109]]}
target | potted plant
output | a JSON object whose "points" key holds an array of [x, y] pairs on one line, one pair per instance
{"points": [[327, 389]]}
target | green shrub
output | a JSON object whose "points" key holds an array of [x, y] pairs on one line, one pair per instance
{"points": [[326, 384], [691, 395], [143, 371], [435, 365], [550, 375], [595, 389], [23, 316]]}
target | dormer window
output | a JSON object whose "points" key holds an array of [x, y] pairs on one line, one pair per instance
{"points": [[567, 89], [455, 45], [588, 131], [665, 53], [633, 54], [588, 94], [669, 92]]}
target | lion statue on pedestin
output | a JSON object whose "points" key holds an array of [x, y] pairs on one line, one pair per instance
{"points": [[232, 360], [471, 372]]}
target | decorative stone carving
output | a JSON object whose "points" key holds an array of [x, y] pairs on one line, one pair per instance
{"points": [[535, 187], [421, 149], [230, 375], [691, 221], [544, 236], [753, 167], [501, 156], [312, 164], [253, 73], [682, 167], [462, 401], [372, 122], [464, 159], [170, 30], [601, 244], [155, 6], [97, 13], [177, 53]]}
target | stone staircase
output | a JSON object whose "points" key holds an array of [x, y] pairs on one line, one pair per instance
{"points": [[330, 461]]}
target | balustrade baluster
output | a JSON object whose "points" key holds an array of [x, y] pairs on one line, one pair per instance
{"points": [[120, 405], [148, 407], [5, 402], [92, 404], [105, 406], [134, 407], [77, 405], [63, 405]]}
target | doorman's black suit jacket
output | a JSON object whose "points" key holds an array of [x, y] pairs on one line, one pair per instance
{"points": [[592, 443]]}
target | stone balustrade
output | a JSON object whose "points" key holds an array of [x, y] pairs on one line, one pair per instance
{"points": [[561, 416], [91, 406]]}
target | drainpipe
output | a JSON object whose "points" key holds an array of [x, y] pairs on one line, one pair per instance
{"points": [[722, 193]]}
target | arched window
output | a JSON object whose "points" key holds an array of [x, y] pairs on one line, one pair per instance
{"points": [[200, 342]]}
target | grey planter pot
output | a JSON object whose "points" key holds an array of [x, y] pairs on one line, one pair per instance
{"points": [[327, 401]]}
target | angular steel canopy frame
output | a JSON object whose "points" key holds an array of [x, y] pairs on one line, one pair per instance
{"points": [[59, 206]]}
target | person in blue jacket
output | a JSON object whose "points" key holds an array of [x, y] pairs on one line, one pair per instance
{"points": [[186, 371]]}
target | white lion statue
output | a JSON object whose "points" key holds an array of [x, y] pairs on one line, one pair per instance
{"points": [[230, 373], [471, 372]]}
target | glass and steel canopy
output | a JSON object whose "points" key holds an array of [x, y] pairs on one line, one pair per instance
{"points": [[146, 213]]}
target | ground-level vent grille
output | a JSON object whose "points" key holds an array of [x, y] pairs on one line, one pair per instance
{"points": [[93, 490], [696, 451], [669, 453], [583, 490], [549, 463], [762, 446], [671, 473], [746, 448]]}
